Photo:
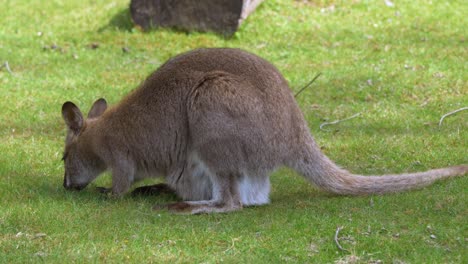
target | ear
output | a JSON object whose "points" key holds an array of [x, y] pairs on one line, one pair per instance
{"points": [[72, 116], [98, 108]]}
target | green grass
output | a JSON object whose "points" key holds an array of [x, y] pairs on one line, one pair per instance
{"points": [[402, 68]]}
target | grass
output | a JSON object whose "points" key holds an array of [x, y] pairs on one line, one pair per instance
{"points": [[401, 67]]}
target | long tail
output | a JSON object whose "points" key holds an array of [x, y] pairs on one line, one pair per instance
{"points": [[325, 174]]}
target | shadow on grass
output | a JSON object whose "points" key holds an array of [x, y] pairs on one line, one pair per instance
{"points": [[121, 21], [91, 194]]}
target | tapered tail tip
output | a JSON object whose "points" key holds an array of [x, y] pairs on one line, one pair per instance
{"points": [[460, 170]]}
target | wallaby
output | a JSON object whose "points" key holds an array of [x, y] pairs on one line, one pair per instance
{"points": [[213, 123]]}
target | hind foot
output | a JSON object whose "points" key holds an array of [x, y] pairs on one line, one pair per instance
{"points": [[200, 207]]}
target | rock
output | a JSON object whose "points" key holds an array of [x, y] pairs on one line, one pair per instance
{"points": [[220, 16]]}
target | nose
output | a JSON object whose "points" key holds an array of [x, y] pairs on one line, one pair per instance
{"points": [[69, 186]]}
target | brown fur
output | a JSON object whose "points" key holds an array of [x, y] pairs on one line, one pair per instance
{"points": [[214, 123]]}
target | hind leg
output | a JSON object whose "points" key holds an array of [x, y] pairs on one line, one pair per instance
{"points": [[225, 197]]}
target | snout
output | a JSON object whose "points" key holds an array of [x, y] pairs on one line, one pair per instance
{"points": [[73, 187]]}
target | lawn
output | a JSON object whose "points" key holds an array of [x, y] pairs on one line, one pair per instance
{"points": [[401, 67]]}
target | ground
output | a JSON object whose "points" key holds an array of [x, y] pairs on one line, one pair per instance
{"points": [[401, 67]]}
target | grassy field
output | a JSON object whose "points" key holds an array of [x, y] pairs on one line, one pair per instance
{"points": [[401, 67]]}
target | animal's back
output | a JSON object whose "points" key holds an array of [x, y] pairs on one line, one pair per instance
{"points": [[258, 71], [171, 83]]}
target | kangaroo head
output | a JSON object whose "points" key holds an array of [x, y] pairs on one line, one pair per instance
{"points": [[81, 163]]}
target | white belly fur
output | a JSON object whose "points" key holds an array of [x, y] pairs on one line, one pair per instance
{"points": [[254, 190], [196, 184]]}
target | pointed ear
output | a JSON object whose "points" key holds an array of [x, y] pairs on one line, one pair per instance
{"points": [[98, 108], [72, 116]]}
